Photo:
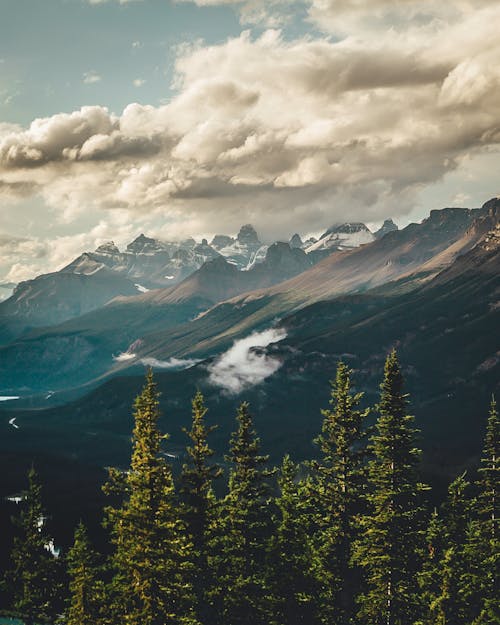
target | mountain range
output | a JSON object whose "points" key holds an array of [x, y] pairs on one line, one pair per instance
{"points": [[272, 332]]}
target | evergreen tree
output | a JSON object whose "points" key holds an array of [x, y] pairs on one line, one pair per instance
{"points": [[33, 580], [430, 576], [151, 549], [450, 605], [296, 570], [198, 475], [86, 598], [339, 478], [483, 545], [244, 524], [392, 538]]}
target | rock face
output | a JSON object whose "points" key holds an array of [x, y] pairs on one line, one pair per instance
{"points": [[296, 241], [247, 236], [387, 226], [245, 251]]}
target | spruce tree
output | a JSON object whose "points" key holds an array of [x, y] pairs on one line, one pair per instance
{"points": [[151, 547], [33, 579], [295, 568], [392, 537], [430, 576], [86, 600], [451, 604], [339, 479], [483, 545], [198, 475], [244, 524]]}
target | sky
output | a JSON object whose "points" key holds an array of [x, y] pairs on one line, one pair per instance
{"points": [[193, 117]]}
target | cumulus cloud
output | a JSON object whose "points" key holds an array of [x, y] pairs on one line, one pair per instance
{"points": [[246, 363], [307, 131]]}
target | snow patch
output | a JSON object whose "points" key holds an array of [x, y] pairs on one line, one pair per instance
{"points": [[244, 365], [8, 397], [141, 289], [13, 423]]}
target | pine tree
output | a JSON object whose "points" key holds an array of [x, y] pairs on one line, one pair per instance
{"points": [[483, 545], [296, 569], [392, 537], [339, 480], [198, 475], [86, 599], [451, 605], [244, 523], [151, 549], [33, 579], [430, 576]]}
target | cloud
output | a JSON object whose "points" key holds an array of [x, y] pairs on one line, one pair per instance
{"points": [[138, 82], [22, 258], [303, 132], [269, 13], [171, 363], [245, 364], [124, 356], [90, 78]]}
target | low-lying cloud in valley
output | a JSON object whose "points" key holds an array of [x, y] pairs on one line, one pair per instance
{"points": [[245, 364], [171, 363]]}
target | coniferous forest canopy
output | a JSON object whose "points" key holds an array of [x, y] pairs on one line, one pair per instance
{"points": [[349, 537]]}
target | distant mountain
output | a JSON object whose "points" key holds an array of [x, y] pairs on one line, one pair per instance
{"points": [[244, 251], [146, 264], [83, 348], [387, 226], [445, 330], [150, 262], [218, 303], [342, 237], [410, 257], [55, 297]]}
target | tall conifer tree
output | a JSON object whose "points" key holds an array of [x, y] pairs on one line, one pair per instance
{"points": [[339, 477], [198, 475], [392, 537], [33, 580], [151, 547], [86, 592], [451, 604], [244, 530], [430, 576], [483, 545], [296, 570]]}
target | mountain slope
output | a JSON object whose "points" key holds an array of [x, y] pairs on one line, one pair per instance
{"points": [[412, 255], [86, 347], [446, 333]]}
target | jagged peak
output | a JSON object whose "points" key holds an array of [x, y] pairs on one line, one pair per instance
{"points": [[296, 241], [108, 247], [387, 226], [345, 228], [248, 235], [143, 243]]}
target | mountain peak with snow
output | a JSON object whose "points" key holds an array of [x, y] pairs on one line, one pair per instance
{"points": [[342, 236]]}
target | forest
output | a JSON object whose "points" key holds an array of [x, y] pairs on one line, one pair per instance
{"points": [[349, 538]]}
